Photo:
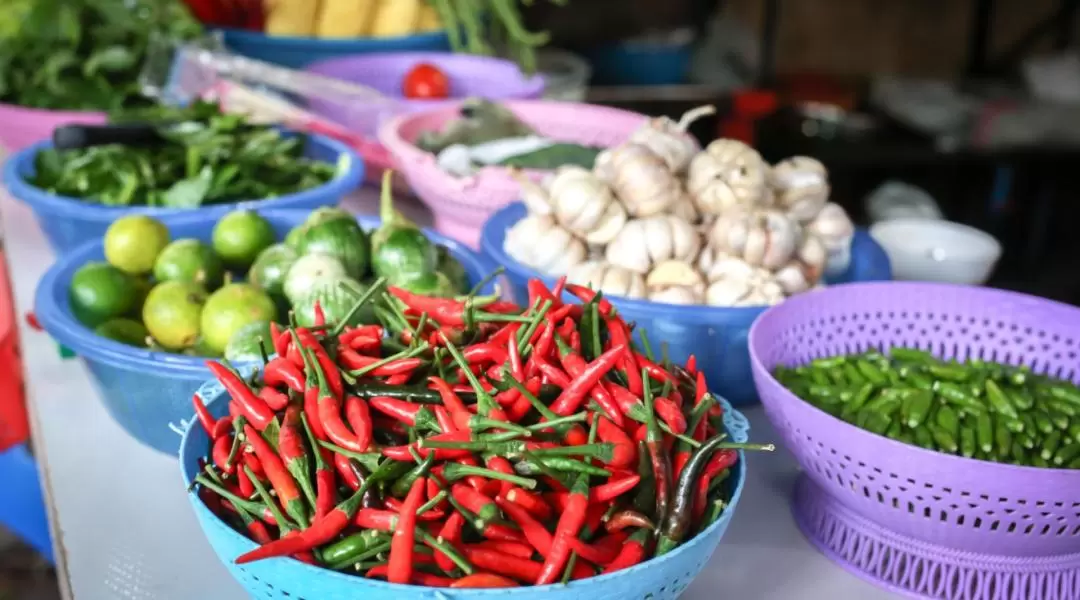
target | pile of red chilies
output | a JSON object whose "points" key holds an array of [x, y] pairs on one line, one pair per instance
{"points": [[468, 443]]}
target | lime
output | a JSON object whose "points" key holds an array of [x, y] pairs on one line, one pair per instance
{"points": [[125, 331], [231, 308], [199, 348], [270, 268], [171, 313], [132, 243], [100, 291], [245, 344], [240, 236], [189, 260]]}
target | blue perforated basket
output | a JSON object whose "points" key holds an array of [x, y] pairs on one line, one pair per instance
{"points": [[146, 391], [68, 222], [716, 336], [296, 52], [658, 579]]}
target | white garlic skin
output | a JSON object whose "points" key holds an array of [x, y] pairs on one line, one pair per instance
{"points": [[533, 196], [675, 282], [644, 242], [763, 238], [585, 205], [800, 185], [540, 243], [607, 278], [678, 294], [836, 231], [642, 180], [669, 139], [727, 174]]}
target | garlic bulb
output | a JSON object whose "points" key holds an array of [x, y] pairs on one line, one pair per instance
{"points": [[645, 242], [534, 197], [801, 186], [716, 265], [763, 238], [607, 278], [669, 140], [728, 173], [758, 289], [685, 210], [584, 204], [805, 269], [835, 230], [642, 180], [540, 243], [675, 282]]}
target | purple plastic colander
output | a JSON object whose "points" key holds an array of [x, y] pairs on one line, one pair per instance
{"points": [[924, 523], [491, 78]]}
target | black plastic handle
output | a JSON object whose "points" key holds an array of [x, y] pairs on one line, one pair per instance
{"points": [[73, 137]]}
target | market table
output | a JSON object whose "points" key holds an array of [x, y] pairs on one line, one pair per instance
{"points": [[122, 527]]}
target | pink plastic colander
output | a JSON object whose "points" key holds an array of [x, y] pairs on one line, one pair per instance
{"points": [[923, 523], [461, 204], [23, 126]]}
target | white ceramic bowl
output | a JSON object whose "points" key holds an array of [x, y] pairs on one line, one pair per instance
{"points": [[935, 250]]}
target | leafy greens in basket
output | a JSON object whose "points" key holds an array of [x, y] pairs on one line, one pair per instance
{"points": [[204, 157]]}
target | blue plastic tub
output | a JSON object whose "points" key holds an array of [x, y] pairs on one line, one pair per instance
{"points": [[22, 509], [716, 336], [143, 390], [663, 578], [68, 222], [298, 52]]}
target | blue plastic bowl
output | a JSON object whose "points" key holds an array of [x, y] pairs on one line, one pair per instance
{"points": [[716, 336], [143, 390], [662, 578], [298, 52], [68, 222]]}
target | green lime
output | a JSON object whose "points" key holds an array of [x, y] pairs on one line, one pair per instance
{"points": [[100, 291], [240, 236], [132, 243], [231, 308], [270, 268], [171, 313], [143, 285], [125, 331], [245, 344], [190, 260]]}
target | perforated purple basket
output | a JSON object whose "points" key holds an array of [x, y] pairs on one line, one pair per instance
{"points": [[919, 522]]}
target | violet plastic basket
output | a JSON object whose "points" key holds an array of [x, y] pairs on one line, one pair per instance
{"points": [[662, 578], [21, 126], [469, 75], [460, 205], [923, 523]]}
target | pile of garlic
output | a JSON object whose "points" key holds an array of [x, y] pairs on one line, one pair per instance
{"points": [[659, 218]]}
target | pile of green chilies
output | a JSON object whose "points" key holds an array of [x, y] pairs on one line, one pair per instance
{"points": [[468, 443], [978, 409]]}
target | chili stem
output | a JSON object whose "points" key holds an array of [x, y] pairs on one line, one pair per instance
{"points": [[369, 553], [360, 302], [485, 403], [580, 417], [460, 471], [226, 494], [525, 334], [647, 347], [411, 353], [363, 457], [260, 489]]}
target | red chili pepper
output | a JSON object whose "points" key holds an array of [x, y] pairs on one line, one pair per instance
{"points": [[572, 396], [258, 531], [375, 518], [252, 407], [629, 405], [475, 502], [535, 532], [567, 329], [538, 293], [275, 399], [500, 464], [251, 462], [554, 375], [626, 519], [531, 502], [279, 339], [330, 370], [631, 553], [290, 445], [625, 450], [606, 492], [671, 414], [222, 427], [280, 371], [654, 370], [208, 422], [443, 418], [359, 417], [483, 580], [346, 472], [450, 399], [280, 479], [319, 315], [511, 548], [603, 551], [351, 334], [451, 534], [587, 295], [413, 415], [445, 311], [220, 454], [570, 523], [401, 546], [511, 566], [430, 580], [724, 459], [329, 408], [484, 353]]}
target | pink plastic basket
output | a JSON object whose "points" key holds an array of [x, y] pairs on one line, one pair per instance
{"points": [[461, 205], [923, 523], [23, 126]]}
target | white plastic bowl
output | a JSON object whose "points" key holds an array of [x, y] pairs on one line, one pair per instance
{"points": [[935, 250]]}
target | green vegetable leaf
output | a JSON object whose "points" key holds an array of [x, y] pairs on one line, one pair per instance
{"points": [[191, 192], [113, 58]]}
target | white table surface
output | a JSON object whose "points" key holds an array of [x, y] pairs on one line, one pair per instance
{"points": [[122, 527]]}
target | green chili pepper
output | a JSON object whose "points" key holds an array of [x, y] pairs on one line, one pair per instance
{"points": [[1050, 445], [918, 407], [401, 486], [1042, 421], [984, 430], [352, 549], [870, 372], [1074, 432], [967, 442], [912, 355], [1019, 454], [944, 439], [1004, 439], [948, 421], [998, 401], [924, 438], [829, 363], [1066, 454], [1021, 398], [852, 374], [920, 381]]}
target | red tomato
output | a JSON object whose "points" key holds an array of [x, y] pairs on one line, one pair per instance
{"points": [[426, 81]]}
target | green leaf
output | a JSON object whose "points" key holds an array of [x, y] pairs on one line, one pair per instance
{"points": [[113, 58], [189, 193]]}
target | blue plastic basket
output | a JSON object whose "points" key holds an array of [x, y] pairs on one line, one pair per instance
{"points": [[143, 390], [716, 336], [298, 52], [22, 509], [658, 579], [68, 222]]}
